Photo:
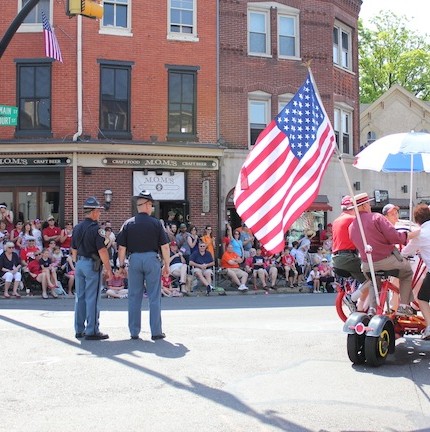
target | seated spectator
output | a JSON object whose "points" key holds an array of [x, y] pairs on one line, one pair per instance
{"points": [[234, 237], [28, 252], [230, 261], [313, 279], [51, 245], [51, 232], [49, 267], [10, 270], [56, 256], [68, 267], [14, 236], [300, 258], [4, 235], [116, 286], [289, 264], [259, 270], [249, 261], [178, 265], [25, 234], [202, 263], [43, 277], [271, 267], [326, 275], [66, 237]]}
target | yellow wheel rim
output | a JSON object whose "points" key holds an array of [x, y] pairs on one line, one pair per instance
{"points": [[383, 343]]}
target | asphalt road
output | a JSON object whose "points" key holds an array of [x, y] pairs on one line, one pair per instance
{"points": [[236, 363]]}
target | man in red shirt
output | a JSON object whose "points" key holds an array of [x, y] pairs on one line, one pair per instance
{"points": [[51, 232], [345, 256]]}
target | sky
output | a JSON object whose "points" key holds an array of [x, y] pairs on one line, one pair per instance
{"points": [[415, 10]]}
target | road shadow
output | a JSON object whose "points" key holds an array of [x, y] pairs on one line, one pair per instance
{"points": [[113, 350]]}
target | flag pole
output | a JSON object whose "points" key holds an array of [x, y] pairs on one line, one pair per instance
{"points": [[367, 247]]}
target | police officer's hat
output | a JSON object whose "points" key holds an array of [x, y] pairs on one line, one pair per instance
{"points": [[146, 195], [92, 203]]}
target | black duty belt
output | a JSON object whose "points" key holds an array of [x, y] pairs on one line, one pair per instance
{"points": [[345, 251]]}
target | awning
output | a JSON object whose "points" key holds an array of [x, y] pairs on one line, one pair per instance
{"points": [[320, 204]]}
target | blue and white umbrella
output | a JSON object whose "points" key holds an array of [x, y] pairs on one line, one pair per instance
{"points": [[401, 152]]}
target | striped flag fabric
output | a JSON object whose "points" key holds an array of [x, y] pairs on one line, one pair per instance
{"points": [[282, 174], [52, 48]]}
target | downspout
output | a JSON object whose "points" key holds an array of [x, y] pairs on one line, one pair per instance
{"points": [[79, 77], [218, 131], [79, 107]]}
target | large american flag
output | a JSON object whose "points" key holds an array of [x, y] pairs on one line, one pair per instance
{"points": [[282, 174], [52, 48]]}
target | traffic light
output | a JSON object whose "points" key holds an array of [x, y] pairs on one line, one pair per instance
{"points": [[88, 8]]}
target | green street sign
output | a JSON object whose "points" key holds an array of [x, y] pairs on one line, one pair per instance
{"points": [[8, 115]]}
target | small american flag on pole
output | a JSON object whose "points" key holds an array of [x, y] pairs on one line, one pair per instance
{"points": [[282, 174], [52, 48]]}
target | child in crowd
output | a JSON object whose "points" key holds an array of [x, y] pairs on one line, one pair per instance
{"points": [[116, 286], [313, 279], [289, 264]]}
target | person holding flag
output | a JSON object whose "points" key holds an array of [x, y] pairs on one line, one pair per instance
{"points": [[282, 174]]}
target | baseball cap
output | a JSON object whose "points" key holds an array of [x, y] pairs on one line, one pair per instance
{"points": [[388, 208], [50, 217]]}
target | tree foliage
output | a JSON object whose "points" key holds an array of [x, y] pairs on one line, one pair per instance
{"points": [[391, 53]]}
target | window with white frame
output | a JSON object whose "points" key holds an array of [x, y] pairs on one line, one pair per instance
{"points": [[258, 114], [288, 39], [116, 16], [182, 19], [342, 46], [343, 130], [258, 32], [283, 100], [33, 21]]}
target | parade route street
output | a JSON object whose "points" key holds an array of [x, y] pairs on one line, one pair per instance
{"points": [[249, 363]]}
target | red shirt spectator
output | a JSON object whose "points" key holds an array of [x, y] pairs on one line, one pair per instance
{"points": [[34, 266], [51, 232]]}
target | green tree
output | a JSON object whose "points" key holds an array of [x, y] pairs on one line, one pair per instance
{"points": [[391, 53]]}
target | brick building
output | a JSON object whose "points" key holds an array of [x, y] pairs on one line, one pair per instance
{"points": [[167, 98], [133, 105], [263, 50]]}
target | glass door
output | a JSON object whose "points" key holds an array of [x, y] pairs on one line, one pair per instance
{"points": [[27, 205]]}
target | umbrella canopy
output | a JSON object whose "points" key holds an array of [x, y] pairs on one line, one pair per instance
{"points": [[401, 152]]}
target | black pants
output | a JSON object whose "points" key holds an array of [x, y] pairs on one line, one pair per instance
{"points": [[424, 293]]}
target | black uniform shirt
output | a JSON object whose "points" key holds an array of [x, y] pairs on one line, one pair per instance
{"points": [[142, 233], [88, 238]]}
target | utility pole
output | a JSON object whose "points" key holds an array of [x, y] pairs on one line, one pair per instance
{"points": [[15, 25]]}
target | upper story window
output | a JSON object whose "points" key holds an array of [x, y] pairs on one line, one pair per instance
{"points": [[343, 130], [342, 46], [33, 21], [283, 100], [116, 17], [258, 33], [34, 98], [182, 20], [258, 114], [182, 112], [115, 78], [288, 38]]}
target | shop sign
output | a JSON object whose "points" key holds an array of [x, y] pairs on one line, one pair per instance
{"points": [[163, 186], [163, 163], [206, 196], [50, 161], [381, 197]]}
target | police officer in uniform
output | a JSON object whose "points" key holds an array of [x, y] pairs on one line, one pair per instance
{"points": [[142, 236], [88, 244]]}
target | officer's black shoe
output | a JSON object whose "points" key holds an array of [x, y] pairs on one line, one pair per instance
{"points": [[134, 337], [158, 337], [97, 336], [79, 335]]}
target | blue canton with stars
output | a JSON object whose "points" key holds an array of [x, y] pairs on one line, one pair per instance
{"points": [[301, 118]]}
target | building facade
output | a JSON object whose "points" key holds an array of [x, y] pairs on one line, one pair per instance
{"points": [[265, 48], [133, 105], [169, 98]]}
